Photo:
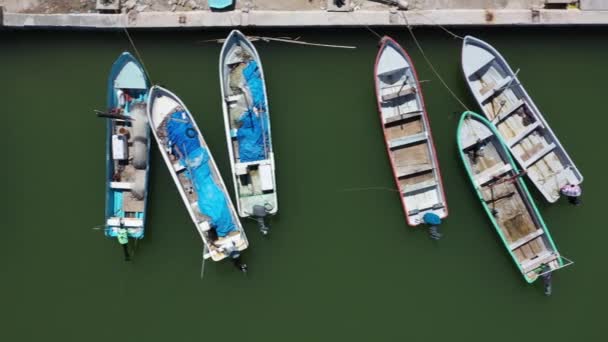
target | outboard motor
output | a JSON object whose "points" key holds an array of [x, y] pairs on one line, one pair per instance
{"points": [[547, 283], [235, 255], [433, 221], [259, 213]]}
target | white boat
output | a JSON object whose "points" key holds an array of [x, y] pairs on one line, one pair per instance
{"points": [[247, 125], [407, 134], [196, 176], [507, 105]]}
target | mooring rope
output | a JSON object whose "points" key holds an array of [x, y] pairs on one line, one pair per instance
{"points": [[431, 64], [135, 49], [372, 31], [438, 25]]}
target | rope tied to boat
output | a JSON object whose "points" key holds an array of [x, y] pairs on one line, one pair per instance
{"points": [[454, 35], [136, 50], [428, 61]]}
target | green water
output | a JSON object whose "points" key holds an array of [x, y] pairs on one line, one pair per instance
{"points": [[338, 265]]}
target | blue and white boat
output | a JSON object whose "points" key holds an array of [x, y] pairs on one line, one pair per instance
{"points": [[196, 176], [127, 150], [247, 125]]}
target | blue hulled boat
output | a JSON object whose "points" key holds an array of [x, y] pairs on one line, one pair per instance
{"points": [[127, 150]]}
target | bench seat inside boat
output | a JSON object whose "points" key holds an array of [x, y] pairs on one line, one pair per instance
{"points": [[488, 174], [398, 91]]}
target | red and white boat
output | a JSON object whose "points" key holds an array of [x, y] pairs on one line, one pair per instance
{"points": [[407, 134]]}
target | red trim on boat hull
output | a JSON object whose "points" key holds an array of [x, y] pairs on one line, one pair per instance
{"points": [[383, 43]]}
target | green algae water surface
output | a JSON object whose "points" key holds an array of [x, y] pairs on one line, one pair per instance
{"points": [[340, 263]]}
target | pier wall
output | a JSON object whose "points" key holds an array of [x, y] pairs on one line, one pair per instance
{"points": [[207, 19]]}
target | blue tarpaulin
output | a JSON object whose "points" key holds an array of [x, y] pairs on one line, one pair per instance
{"points": [[253, 134], [212, 201]]}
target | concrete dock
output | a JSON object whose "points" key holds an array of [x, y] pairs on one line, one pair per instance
{"points": [[301, 13]]}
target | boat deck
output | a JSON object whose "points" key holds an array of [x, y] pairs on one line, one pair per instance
{"points": [[507, 200], [127, 180], [253, 187], [407, 136]]}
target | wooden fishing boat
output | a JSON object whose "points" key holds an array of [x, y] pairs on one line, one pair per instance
{"points": [[407, 134], [196, 176], [505, 198], [127, 149], [505, 102], [247, 125]]}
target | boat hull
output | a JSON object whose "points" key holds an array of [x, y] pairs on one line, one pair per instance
{"points": [[505, 198], [247, 118], [126, 76], [162, 104], [507, 105], [407, 134]]}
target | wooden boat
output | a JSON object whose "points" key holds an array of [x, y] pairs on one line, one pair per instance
{"points": [[127, 149], [247, 125], [407, 134], [520, 124], [505, 198], [196, 176]]}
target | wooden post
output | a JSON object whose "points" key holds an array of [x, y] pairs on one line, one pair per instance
{"points": [[1, 16]]}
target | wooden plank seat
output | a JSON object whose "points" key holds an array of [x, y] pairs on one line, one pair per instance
{"points": [[533, 263], [402, 116], [524, 133], [504, 113], [129, 222], [471, 140], [520, 242], [408, 140], [418, 187], [399, 92], [178, 167], [405, 171], [539, 155], [435, 206], [490, 173], [497, 89], [121, 185]]}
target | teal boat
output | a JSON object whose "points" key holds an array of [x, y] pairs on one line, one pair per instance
{"points": [[127, 151], [505, 198]]}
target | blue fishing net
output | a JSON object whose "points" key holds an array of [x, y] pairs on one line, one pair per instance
{"points": [[253, 133], [212, 200]]}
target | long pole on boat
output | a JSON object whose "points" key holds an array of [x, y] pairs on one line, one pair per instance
{"points": [[205, 251]]}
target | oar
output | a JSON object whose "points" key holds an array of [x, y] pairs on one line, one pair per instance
{"points": [[205, 251], [508, 85], [407, 77], [112, 116]]}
